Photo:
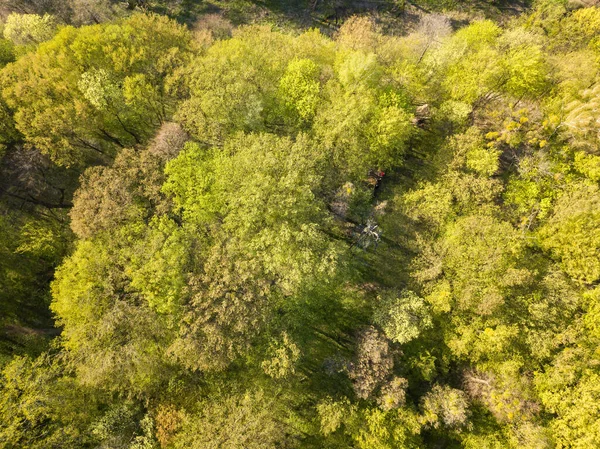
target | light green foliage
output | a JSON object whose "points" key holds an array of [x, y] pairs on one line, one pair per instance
{"points": [[582, 27], [445, 406], [299, 88], [158, 266], [478, 253], [27, 29], [97, 88], [547, 14], [569, 386], [479, 157], [386, 430], [531, 199], [332, 414], [461, 188], [578, 413], [284, 355], [483, 161], [106, 323], [263, 189], [455, 111], [389, 134], [41, 408], [533, 192], [577, 73], [479, 61], [571, 234], [104, 86], [524, 65], [117, 427], [588, 164], [266, 81], [369, 428], [190, 178], [470, 61], [362, 128], [476, 36], [551, 310], [257, 196], [356, 70], [490, 441], [236, 421], [234, 84], [402, 317], [431, 203], [218, 293]]}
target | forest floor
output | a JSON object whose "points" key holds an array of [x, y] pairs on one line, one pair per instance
{"points": [[395, 16]]}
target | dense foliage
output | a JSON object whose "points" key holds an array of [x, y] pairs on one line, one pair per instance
{"points": [[247, 237]]}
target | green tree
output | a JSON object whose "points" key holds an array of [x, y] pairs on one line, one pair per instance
{"points": [[114, 335], [28, 29], [402, 317], [92, 90], [42, 406], [248, 420], [257, 198], [570, 234], [445, 406]]}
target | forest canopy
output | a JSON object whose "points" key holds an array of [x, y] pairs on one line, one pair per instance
{"points": [[379, 234]]}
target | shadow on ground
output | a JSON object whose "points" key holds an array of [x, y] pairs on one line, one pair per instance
{"points": [[397, 16]]}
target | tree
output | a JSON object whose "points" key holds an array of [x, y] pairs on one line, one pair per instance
{"points": [[284, 355], [92, 90], [376, 429], [479, 61], [478, 253], [28, 29], [402, 318], [469, 59], [127, 191], [247, 420], [263, 190], [445, 406], [373, 364], [256, 199], [115, 337], [42, 406], [215, 292], [300, 88], [233, 85], [571, 235], [568, 387]]}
